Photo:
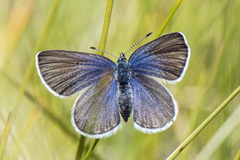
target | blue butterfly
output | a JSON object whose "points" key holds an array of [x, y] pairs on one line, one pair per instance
{"points": [[112, 89]]}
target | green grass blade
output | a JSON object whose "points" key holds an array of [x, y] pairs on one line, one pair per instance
{"points": [[226, 129], [237, 157], [91, 149], [203, 125], [80, 148], [101, 47], [169, 17], [106, 25], [4, 138]]}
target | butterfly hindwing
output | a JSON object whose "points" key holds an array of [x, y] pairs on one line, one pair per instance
{"points": [[165, 57], [67, 72], [95, 113], [154, 108]]}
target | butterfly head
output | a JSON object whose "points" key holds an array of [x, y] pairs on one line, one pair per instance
{"points": [[122, 58]]}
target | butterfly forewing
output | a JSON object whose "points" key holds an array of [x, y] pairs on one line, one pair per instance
{"points": [[66, 72], [154, 107], [95, 113], [166, 57]]}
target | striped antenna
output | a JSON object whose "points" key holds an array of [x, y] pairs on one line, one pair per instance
{"points": [[103, 51], [138, 42]]}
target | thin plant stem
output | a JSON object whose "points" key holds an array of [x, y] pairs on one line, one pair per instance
{"points": [[106, 25], [80, 148], [168, 18], [237, 157], [203, 125], [5, 134], [91, 149], [102, 45]]}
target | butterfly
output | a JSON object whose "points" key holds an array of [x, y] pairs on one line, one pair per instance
{"points": [[111, 90]]}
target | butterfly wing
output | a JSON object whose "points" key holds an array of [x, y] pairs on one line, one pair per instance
{"points": [[154, 107], [66, 72], [165, 57], [95, 113]]}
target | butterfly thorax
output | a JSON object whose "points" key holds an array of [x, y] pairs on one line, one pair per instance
{"points": [[124, 96]]}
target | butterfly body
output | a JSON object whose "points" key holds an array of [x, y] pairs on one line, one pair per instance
{"points": [[110, 89], [124, 96]]}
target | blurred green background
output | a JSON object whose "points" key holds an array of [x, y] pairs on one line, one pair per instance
{"points": [[40, 122]]}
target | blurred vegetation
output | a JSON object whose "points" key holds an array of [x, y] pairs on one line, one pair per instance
{"points": [[40, 125]]}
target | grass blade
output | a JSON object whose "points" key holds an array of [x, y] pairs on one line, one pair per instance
{"points": [[101, 47], [91, 149], [168, 18], [226, 129], [237, 157], [80, 148], [203, 125], [4, 138], [106, 25]]}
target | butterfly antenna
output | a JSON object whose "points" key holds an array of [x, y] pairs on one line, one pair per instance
{"points": [[138, 42], [103, 51]]}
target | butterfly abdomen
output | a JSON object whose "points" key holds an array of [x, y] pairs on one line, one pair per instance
{"points": [[125, 101], [124, 96]]}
